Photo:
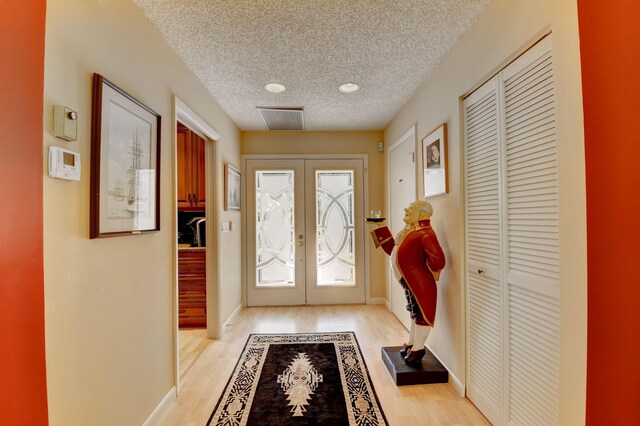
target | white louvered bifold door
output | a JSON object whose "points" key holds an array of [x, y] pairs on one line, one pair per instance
{"points": [[484, 289], [512, 230], [533, 267]]}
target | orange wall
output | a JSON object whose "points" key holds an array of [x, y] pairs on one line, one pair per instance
{"points": [[23, 392], [610, 52]]}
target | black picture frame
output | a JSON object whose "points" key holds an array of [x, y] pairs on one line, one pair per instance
{"points": [[125, 163]]}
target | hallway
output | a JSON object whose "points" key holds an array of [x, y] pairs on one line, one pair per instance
{"points": [[91, 323], [374, 326]]}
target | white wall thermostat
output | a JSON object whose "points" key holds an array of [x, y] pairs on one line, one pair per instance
{"points": [[64, 164]]}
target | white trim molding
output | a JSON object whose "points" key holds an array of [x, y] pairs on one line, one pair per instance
{"points": [[229, 322], [196, 123], [154, 417], [455, 383], [184, 113], [406, 135]]}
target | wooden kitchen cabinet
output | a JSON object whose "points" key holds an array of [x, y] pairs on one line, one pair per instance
{"points": [[192, 289], [191, 170]]}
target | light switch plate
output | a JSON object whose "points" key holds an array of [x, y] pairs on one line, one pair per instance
{"points": [[225, 227]]}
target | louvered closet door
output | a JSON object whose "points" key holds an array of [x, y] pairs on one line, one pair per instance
{"points": [[513, 304], [532, 229], [484, 289]]}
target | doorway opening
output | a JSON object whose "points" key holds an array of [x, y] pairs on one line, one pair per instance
{"points": [[196, 310], [192, 255]]}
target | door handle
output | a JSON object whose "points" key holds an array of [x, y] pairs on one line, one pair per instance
{"points": [[190, 201], [480, 271]]}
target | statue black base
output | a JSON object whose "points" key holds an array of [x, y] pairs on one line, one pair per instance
{"points": [[431, 370]]}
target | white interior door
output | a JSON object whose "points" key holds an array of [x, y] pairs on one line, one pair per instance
{"points": [[402, 190], [512, 237], [305, 232], [485, 325]]}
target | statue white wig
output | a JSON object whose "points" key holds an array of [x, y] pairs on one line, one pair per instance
{"points": [[425, 207]]}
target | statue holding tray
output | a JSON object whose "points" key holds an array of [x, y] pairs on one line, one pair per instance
{"points": [[416, 260]]}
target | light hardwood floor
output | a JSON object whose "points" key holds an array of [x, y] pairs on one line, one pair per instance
{"points": [[374, 326], [193, 342]]}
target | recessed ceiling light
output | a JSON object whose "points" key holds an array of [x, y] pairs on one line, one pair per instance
{"points": [[349, 88], [275, 88]]}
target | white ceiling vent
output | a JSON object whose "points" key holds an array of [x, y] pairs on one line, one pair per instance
{"points": [[283, 118]]}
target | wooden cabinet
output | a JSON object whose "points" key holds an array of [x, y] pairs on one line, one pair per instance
{"points": [[192, 285], [191, 170]]}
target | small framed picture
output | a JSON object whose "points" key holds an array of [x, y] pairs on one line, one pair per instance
{"points": [[125, 163], [434, 162], [232, 188]]}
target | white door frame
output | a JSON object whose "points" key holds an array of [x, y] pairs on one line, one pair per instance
{"points": [[212, 212], [245, 246], [410, 134]]}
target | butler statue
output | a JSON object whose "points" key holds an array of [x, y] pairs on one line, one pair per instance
{"points": [[416, 260]]}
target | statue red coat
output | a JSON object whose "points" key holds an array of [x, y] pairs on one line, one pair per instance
{"points": [[419, 259]]}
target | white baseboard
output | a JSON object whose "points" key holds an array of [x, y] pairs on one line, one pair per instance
{"points": [[154, 418], [231, 318], [377, 301], [455, 383]]}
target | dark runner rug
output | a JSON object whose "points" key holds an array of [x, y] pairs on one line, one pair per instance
{"points": [[299, 379]]}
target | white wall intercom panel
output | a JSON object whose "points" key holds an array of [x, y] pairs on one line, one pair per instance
{"points": [[64, 164]]}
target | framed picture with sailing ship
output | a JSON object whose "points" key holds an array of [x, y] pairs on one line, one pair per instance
{"points": [[125, 163]]}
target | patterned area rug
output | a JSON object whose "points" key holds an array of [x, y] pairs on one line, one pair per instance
{"points": [[299, 379]]}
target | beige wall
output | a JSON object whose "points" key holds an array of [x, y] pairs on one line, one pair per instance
{"points": [[505, 28], [287, 142], [109, 302]]}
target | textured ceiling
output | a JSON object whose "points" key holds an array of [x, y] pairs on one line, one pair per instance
{"points": [[313, 46]]}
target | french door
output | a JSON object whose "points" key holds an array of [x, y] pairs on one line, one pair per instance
{"points": [[305, 232]]}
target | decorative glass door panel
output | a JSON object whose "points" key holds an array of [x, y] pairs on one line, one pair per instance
{"points": [[275, 228], [335, 230], [334, 216], [304, 231], [275, 260]]}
